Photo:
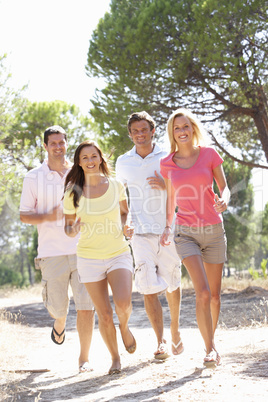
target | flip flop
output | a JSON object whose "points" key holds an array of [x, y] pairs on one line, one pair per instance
{"points": [[176, 346], [131, 348], [85, 368], [212, 359], [162, 352], [113, 371], [53, 336]]}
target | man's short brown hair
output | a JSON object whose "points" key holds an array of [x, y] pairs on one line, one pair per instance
{"points": [[54, 130], [138, 117]]}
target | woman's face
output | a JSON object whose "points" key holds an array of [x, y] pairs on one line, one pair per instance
{"points": [[90, 160], [182, 130]]}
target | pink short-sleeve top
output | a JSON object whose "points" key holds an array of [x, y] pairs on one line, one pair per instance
{"points": [[194, 188]]}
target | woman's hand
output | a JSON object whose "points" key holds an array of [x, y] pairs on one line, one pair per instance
{"points": [[164, 240], [128, 231], [74, 228], [220, 205]]}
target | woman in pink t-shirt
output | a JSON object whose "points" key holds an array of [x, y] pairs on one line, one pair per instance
{"points": [[200, 239]]}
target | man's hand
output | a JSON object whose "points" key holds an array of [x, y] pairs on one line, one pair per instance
{"points": [[164, 240], [55, 214], [156, 181]]}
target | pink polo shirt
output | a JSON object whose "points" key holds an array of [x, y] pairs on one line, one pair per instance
{"points": [[194, 188], [43, 190]]}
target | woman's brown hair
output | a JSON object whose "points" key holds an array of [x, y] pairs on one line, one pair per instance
{"points": [[75, 179]]}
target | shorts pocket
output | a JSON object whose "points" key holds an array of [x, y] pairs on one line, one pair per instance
{"points": [[146, 279], [37, 264], [140, 276], [44, 292], [176, 277]]}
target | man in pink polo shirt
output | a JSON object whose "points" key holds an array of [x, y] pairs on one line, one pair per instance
{"points": [[41, 205]]}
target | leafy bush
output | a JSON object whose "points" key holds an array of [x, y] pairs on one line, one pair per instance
{"points": [[8, 276], [254, 274], [264, 267]]}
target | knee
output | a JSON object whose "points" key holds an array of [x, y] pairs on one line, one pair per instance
{"points": [[204, 297], [86, 315], [123, 306], [216, 299], [105, 316], [152, 298]]}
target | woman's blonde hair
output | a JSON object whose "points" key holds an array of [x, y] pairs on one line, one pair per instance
{"points": [[199, 132]]}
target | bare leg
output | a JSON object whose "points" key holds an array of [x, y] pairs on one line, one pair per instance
{"points": [[155, 314], [195, 267], [174, 302], [100, 297], [120, 281], [214, 276], [85, 325]]}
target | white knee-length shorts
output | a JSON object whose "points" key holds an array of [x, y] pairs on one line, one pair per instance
{"points": [[157, 268]]}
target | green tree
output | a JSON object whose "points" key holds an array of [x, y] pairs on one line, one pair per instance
{"points": [[14, 239], [262, 237], [22, 149], [24, 141], [239, 221], [265, 221], [22, 144], [208, 55], [10, 102]]}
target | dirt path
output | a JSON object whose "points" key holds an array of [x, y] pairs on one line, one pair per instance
{"points": [[242, 338]]}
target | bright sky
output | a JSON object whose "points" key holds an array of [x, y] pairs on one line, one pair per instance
{"points": [[47, 43]]}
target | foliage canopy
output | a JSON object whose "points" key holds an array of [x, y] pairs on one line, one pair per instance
{"points": [[207, 55]]}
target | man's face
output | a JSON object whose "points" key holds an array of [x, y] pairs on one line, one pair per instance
{"points": [[57, 146], [141, 133]]}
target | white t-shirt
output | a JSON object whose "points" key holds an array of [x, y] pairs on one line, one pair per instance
{"points": [[147, 205], [42, 190]]}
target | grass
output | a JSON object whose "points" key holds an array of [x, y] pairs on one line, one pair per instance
{"points": [[237, 284], [240, 284], [260, 314], [11, 354]]}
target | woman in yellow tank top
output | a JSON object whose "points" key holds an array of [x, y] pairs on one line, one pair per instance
{"points": [[96, 206]]}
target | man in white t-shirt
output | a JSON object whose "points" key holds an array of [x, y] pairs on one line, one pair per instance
{"points": [[41, 205], [157, 269]]}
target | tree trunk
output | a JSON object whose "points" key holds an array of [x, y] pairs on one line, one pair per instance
{"points": [[30, 272], [21, 262], [261, 121]]}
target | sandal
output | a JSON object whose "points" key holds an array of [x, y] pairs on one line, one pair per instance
{"points": [[59, 335], [85, 367], [131, 348], [162, 352], [176, 347], [212, 359], [113, 371]]}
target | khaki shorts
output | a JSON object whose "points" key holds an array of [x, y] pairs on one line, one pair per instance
{"points": [[91, 270], [57, 273], [157, 268], [208, 241]]}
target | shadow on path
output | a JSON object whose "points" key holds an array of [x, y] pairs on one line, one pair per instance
{"points": [[237, 309]]}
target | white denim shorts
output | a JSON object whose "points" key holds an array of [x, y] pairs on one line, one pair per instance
{"points": [[157, 268], [57, 273], [91, 270]]}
